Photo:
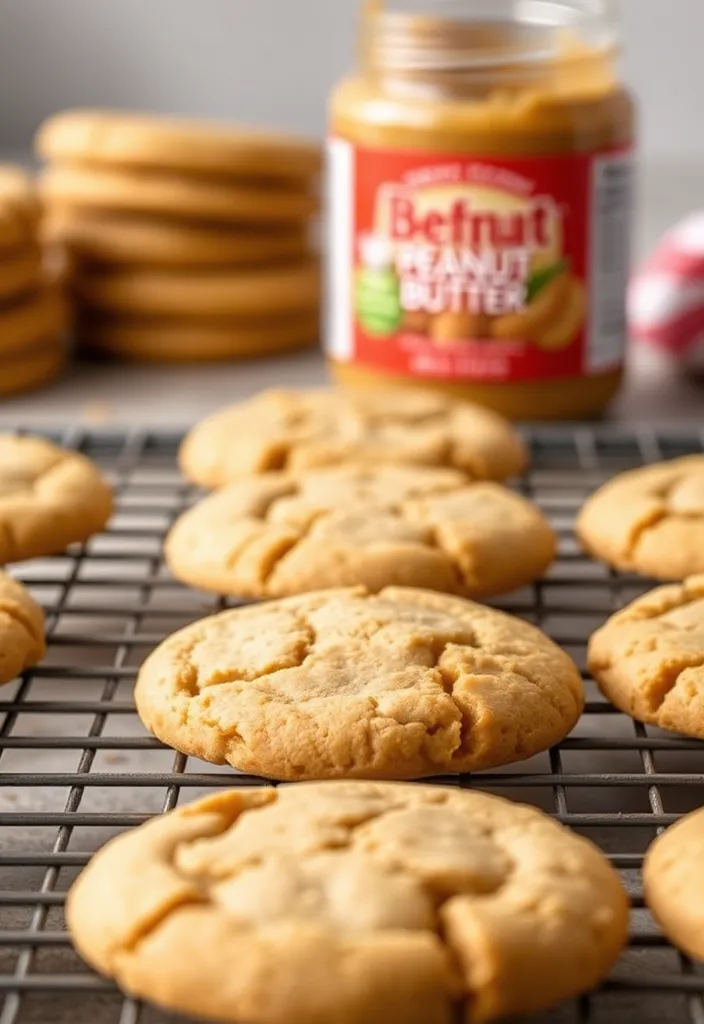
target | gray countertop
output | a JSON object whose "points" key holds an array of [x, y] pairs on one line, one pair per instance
{"points": [[111, 394]]}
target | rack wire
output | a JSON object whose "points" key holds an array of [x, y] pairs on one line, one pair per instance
{"points": [[77, 767]]}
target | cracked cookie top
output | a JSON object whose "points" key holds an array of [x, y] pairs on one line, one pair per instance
{"points": [[649, 658], [649, 520], [673, 874], [280, 534], [49, 498], [21, 629], [343, 684], [295, 430], [351, 902]]}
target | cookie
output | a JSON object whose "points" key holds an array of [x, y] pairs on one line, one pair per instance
{"points": [[20, 272], [49, 498], [163, 194], [37, 318], [162, 341], [136, 241], [202, 293], [297, 430], [343, 684], [650, 520], [133, 140], [351, 902], [22, 642], [379, 526], [673, 874], [19, 209], [32, 368], [649, 658]]}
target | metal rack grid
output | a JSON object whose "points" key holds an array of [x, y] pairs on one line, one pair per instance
{"points": [[77, 767]]}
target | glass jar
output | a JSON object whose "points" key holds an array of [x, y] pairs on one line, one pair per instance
{"points": [[481, 170]]}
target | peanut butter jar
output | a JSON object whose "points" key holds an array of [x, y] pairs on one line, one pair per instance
{"points": [[481, 182]]}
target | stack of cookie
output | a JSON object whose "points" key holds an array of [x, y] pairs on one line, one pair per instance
{"points": [[185, 241], [33, 316]]}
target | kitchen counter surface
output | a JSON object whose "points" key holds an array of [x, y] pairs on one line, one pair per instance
{"points": [[96, 394]]}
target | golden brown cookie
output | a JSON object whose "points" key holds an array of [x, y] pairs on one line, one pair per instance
{"points": [[201, 292], [351, 902], [20, 272], [343, 684], [298, 430], [19, 209], [31, 368], [162, 341], [132, 140], [378, 526], [673, 875], [49, 498], [649, 658], [22, 642], [37, 318], [649, 520], [92, 187], [140, 241]]}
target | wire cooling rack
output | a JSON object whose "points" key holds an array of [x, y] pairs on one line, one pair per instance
{"points": [[76, 766]]}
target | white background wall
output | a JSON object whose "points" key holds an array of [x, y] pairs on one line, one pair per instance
{"points": [[274, 61]]}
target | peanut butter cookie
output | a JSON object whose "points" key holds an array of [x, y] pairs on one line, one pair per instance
{"points": [[649, 658], [159, 340], [32, 368], [37, 319], [296, 430], [203, 293], [49, 498], [275, 535], [94, 187], [20, 272], [343, 684], [21, 629], [650, 520], [138, 241], [19, 210], [129, 140], [673, 875], [351, 902]]}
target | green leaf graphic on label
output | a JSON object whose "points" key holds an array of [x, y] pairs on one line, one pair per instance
{"points": [[378, 301], [541, 278]]}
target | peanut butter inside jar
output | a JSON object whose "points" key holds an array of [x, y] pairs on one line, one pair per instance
{"points": [[481, 183]]}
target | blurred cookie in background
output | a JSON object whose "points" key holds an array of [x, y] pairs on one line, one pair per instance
{"points": [[186, 241], [156, 340], [170, 194], [34, 316], [130, 240], [145, 142], [32, 369], [201, 293]]}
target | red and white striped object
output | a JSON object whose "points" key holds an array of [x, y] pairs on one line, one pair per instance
{"points": [[666, 296]]}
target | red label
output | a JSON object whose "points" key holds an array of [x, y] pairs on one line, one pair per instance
{"points": [[458, 268]]}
